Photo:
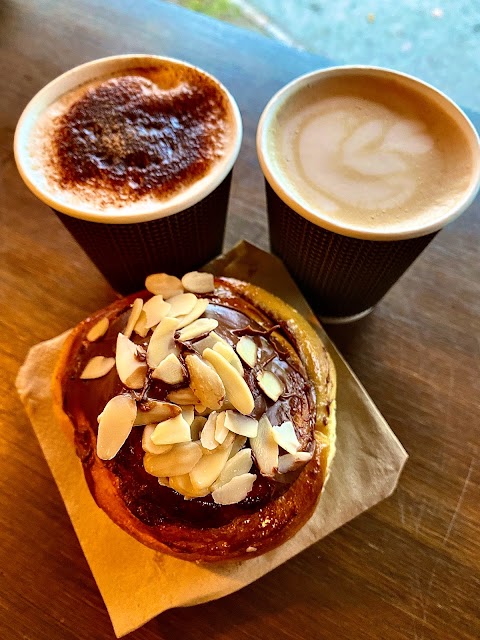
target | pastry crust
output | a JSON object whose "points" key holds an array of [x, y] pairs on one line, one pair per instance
{"points": [[245, 536]]}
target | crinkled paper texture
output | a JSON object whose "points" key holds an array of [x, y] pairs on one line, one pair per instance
{"points": [[137, 583]]}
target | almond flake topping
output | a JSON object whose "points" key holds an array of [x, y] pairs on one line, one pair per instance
{"points": [[243, 425], [158, 411], [181, 304], [198, 328], [237, 465], [289, 461], [114, 425], [162, 342], [172, 431], [155, 310], [198, 282], [179, 460], [208, 342], [208, 468], [205, 382], [169, 370], [141, 324], [163, 284], [199, 308], [184, 486], [207, 436], [188, 413], [221, 431], [236, 490], [247, 350], [137, 307], [196, 427], [265, 448], [131, 371], [286, 437], [237, 389], [270, 384], [230, 356], [183, 396], [97, 367], [147, 444], [98, 330]]}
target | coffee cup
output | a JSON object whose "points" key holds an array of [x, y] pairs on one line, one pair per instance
{"points": [[362, 166], [134, 153]]}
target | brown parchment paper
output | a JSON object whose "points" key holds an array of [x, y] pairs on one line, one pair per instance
{"points": [[137, 583]]}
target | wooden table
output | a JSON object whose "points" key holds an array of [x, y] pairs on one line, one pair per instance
{"points": [[409, 568]]}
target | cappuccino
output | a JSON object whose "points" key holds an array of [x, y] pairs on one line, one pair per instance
{"points": [[369, 154], [132, 140]]}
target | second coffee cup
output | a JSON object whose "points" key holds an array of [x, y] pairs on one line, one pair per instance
{"points": [[134, 154], [363, 166]]}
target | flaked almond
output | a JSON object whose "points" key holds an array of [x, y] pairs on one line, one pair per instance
{"points": [[163, 482], [270, 384], [183, 485], [198, 282], [134, 316], [198, 328], [243, 425], [265, 448], [181, 304], [98, 330], [290, 462], [237, 465], [200, 408], [157, 411], [238, 443], [196, 427], [163, 284], [208, 342], [195, 313], [162, 342], [114, 425], [97, 367], [169, 370], [230, 356], [172, 431], [130, 369], [141, 324], [207, 436], [147, 444], [183, 396], [247, 350], [179, 460], [235, 386], [208, 468], [286, 437], [155, 310], [188, 413], [205, 382], [236, 490], [221, 431]]}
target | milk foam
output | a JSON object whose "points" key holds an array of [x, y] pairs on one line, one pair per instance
{"points": [[370, 154]]}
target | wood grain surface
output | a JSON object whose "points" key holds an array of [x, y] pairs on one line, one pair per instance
{"points": [[409, 568]]}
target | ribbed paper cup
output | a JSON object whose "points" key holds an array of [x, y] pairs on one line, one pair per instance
{"points": [[345, 270], [174, 235]]}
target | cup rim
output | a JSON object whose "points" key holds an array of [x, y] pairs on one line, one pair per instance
{"points": [[84, 73], [309, 213]]}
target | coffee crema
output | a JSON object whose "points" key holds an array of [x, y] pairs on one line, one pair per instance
{"points": [[132, 138], [370, 153]]}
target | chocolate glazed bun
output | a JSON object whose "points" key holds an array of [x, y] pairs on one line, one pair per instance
{"points": [[274, 417]]}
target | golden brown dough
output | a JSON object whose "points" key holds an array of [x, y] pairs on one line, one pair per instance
{"points": [[247, 533]]}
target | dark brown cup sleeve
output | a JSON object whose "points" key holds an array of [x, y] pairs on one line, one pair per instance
{"points": [[340, 276], [126, 253]]}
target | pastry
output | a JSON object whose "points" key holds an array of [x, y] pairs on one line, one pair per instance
{"points": [[203, 412]]}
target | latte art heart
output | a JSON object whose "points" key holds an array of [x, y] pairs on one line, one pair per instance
{"points": [[369, 154], [360, 160]]}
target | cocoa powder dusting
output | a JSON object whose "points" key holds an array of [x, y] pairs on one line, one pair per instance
{"points": [[131, 138]]}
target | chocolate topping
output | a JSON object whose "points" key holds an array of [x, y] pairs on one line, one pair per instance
{"points": [[129, 137], [146, 499]]}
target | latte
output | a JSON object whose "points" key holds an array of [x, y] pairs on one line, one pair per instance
{"points": [[370, 153]]}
